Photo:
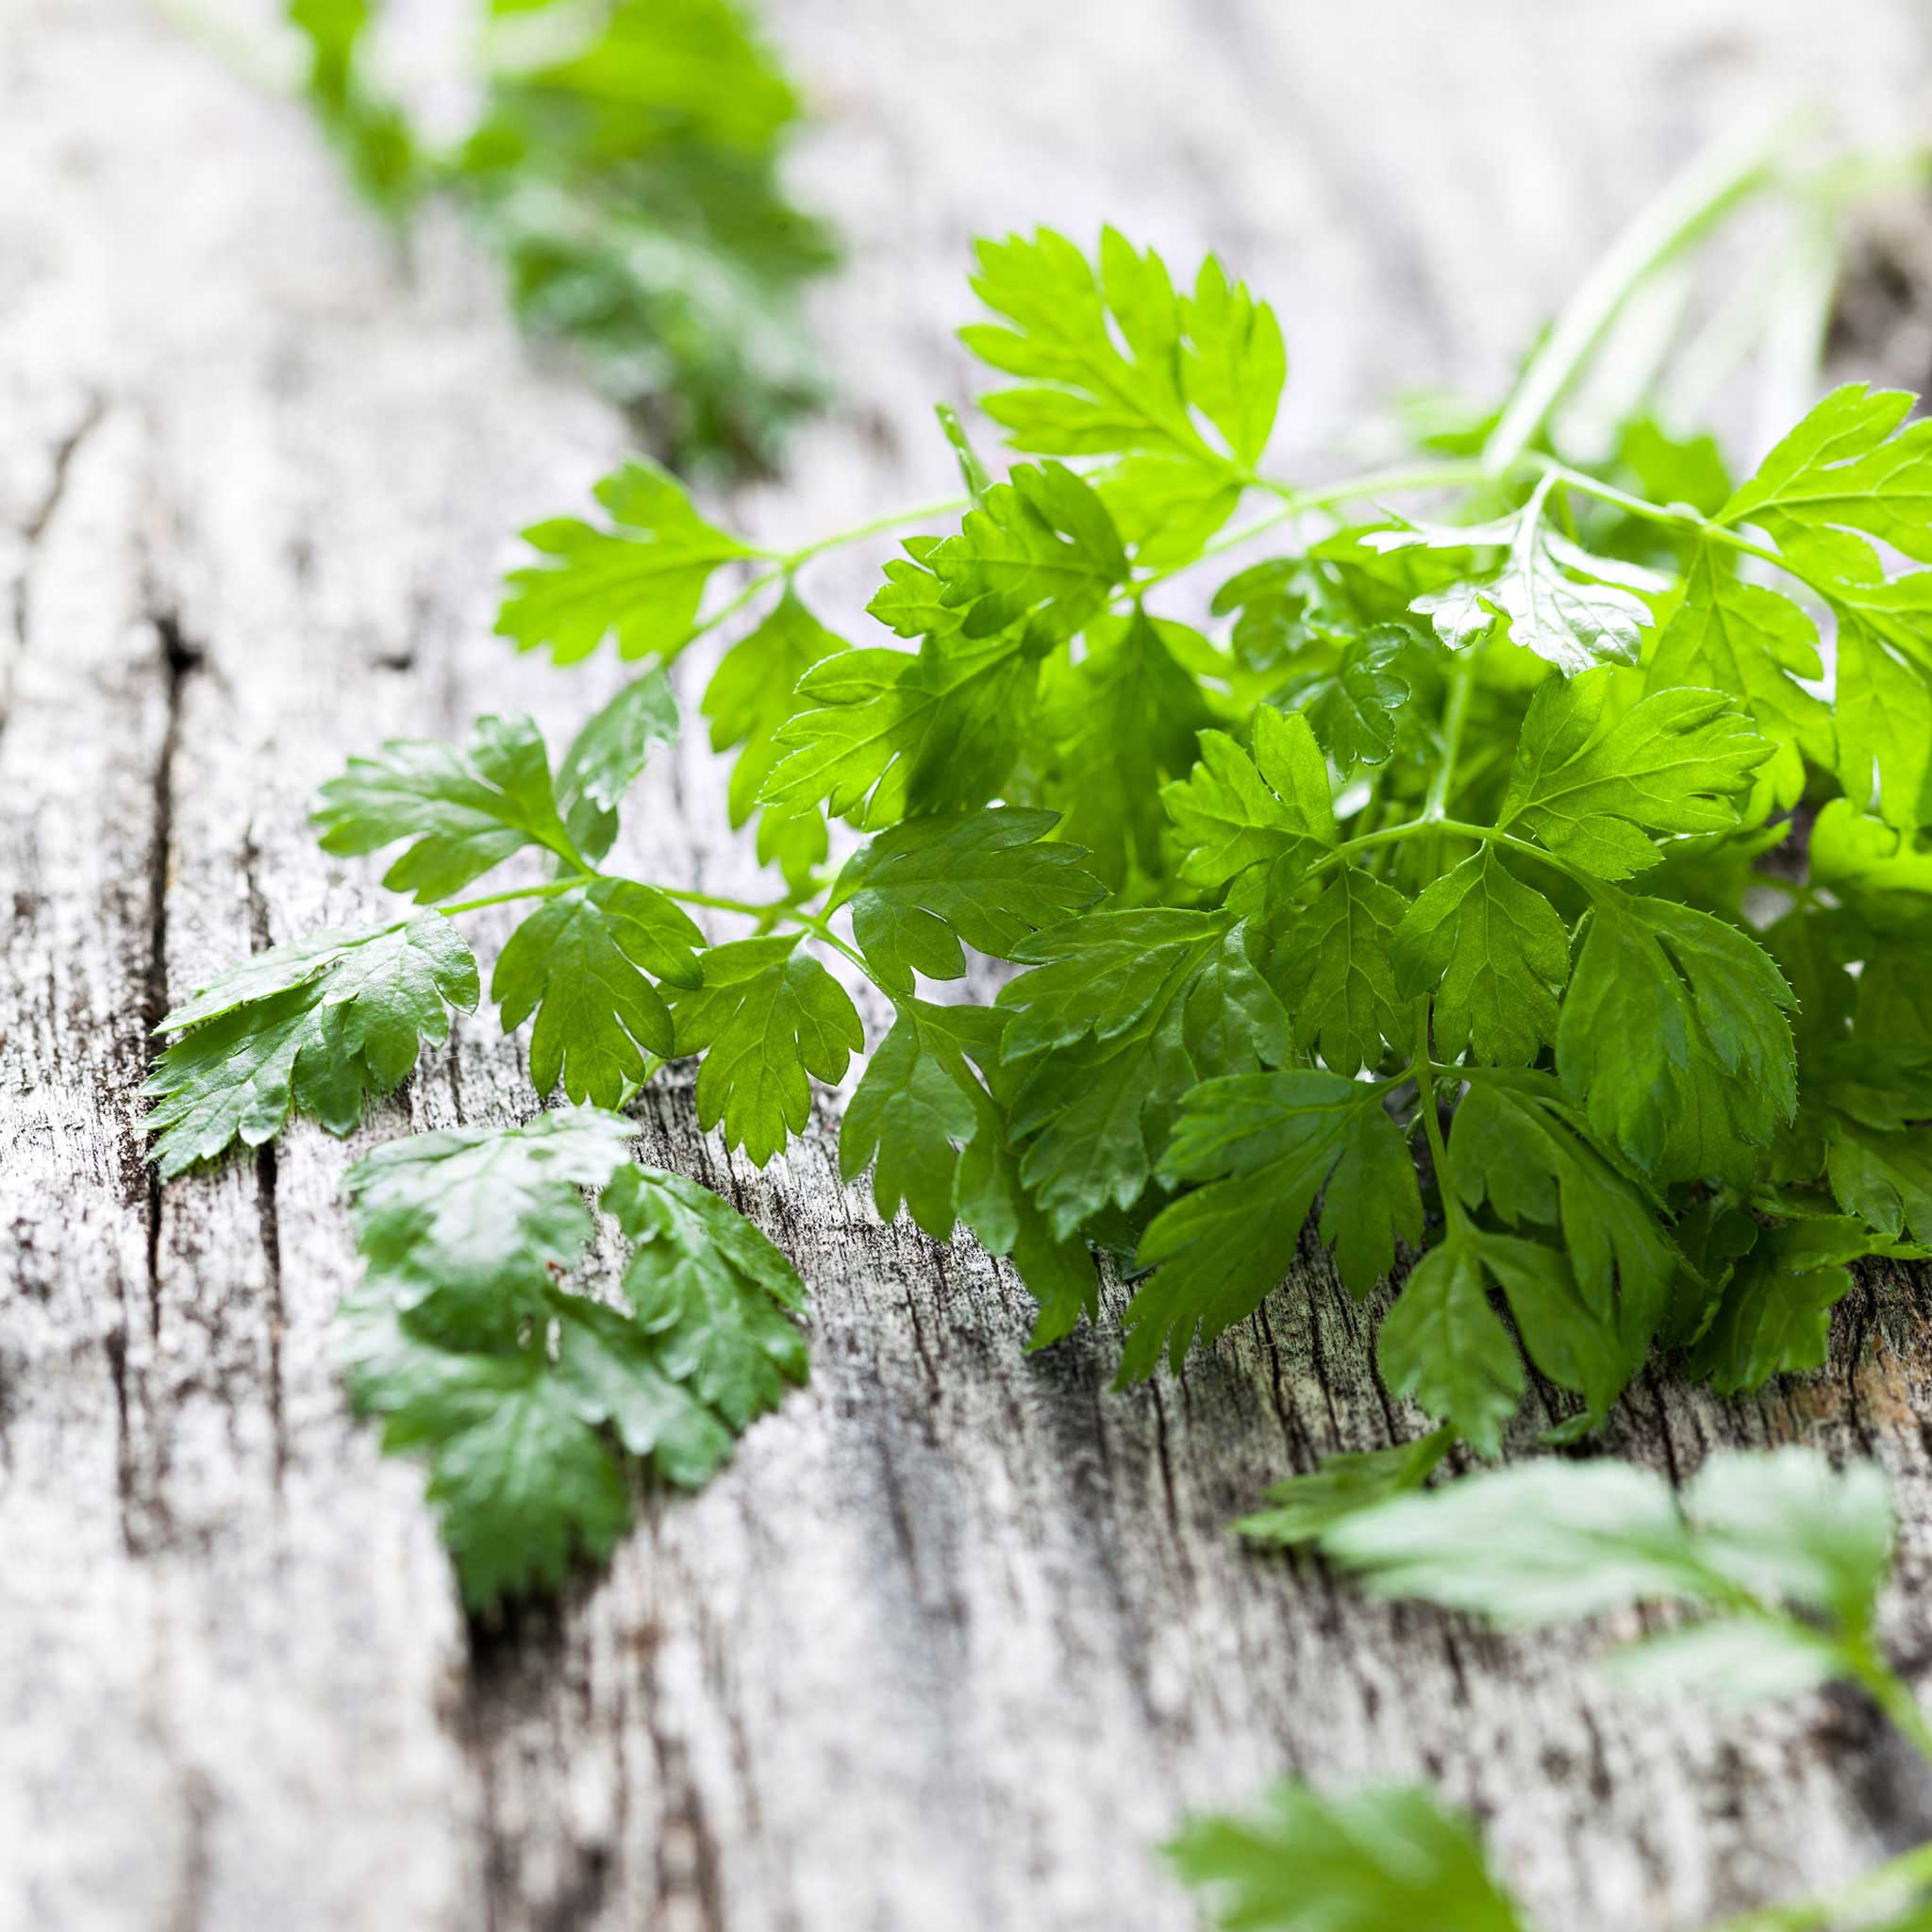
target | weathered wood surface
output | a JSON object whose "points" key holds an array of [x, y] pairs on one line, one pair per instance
{"points": [[960, 1633]]}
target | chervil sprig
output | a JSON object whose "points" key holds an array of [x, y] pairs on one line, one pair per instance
{"points": [[1420, 892]]}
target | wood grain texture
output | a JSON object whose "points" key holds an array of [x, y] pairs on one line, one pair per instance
{"points": [[959, 1633]]}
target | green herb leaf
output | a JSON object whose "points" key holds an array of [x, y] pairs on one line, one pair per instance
{"points": [[1235, 810], [1123, 719], [1100, 1051], [1549, 595], [1673, 1041], [608, 755], [1843, 469], [716, 1298], [1444, 1344], [1775, 1310], [1330, 965], [765, 1017], [519, 1477], [1388, 1860], [575, 962], [1494, 954], [1591, 783], [639, 578], [1303, 1507], [1219, 352], [464, 812], [1353, 704], [915, 1107], [320, 1024], [474, 1218], [1550, 1540], [465, 1343], [1740, 637], [882, 735], [1039, 549], [985, 878], [1266, 1144], [749, 701]]}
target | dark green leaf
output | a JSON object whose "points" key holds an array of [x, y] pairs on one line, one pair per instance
{"points": [[1673, 1041], [1121, 721], [1235, 810], [1494, 954], [1352, 704], [575, 962], [985, 878], [1775, 1310], [1330, 965], [766, 1016], [1518, 1146], [320, 1024], [463, 811], [1266, 1144], [1444, 1344]]}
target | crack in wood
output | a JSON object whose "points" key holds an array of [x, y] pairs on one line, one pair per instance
{"points": [[41, 516]]}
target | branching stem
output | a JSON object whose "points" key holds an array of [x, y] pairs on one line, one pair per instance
{"points": [[1423, 1070]]}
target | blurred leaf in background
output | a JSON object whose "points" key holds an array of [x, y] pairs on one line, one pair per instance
{"points": [[624, 162]]}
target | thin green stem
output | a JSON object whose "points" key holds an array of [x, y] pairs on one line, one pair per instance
{"points": [[1454, 716], [1891, 1693], [763, 582], [785, 564], [1689, 205], [1396, 482], [1683, 519], [549, 890], [1410, 477], [1458, 828], [1432, 1120], [821, 928], [951, 506], [1893, 1882], [751, 909]]}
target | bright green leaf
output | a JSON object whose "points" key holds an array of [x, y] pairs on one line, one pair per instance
{"points": [[1592, 783], [1378, 1861], [639, 578], [1235, 810], [607, 756]]}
